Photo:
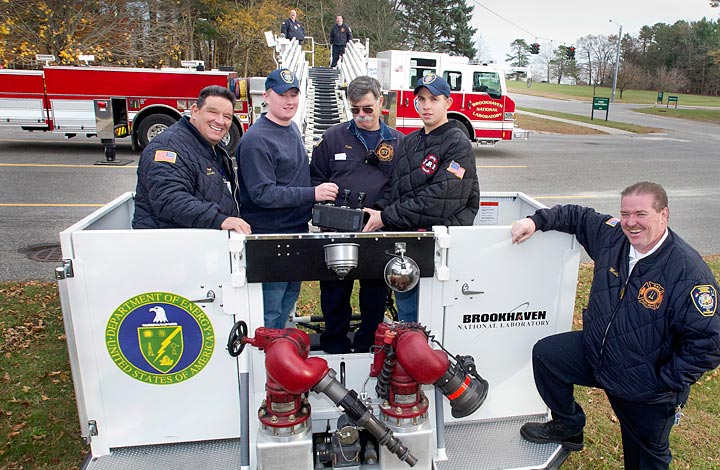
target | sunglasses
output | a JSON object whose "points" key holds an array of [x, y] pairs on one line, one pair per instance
{"points": [[365, 109]]}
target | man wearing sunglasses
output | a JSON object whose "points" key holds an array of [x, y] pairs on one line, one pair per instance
{"points": [[358, 155]]}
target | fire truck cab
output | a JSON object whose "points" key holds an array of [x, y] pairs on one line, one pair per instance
{"points": [[480, 108]]}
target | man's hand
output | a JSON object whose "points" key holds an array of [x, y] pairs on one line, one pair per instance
{"points": [[326, 192], [237, 224], [522, 229], [374, 222]]}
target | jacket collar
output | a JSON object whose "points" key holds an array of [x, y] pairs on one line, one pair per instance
{"points": [[385, 132], [185, 121]]}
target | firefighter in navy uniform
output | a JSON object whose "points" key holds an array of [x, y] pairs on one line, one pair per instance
{"points": [[293, 28], [185, 175], [650, 329], [340, 35], [357, 155]]}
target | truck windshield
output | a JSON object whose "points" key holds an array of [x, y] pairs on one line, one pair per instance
{"points": [[487, 82]]}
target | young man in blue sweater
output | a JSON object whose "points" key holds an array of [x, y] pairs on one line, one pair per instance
{"points": [[275, 189]]}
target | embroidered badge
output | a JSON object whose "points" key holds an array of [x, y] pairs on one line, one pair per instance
{"points": [[429, 164], [614, 272], [165, 156], [456, 169], [209, 171], [612, 222], [287, 76], [385, 152], [704, 298], [429, 78], [651, 295]]}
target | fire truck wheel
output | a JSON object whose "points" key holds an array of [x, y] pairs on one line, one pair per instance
{"points": [[460, 126], [152, 126], [232, 139]]}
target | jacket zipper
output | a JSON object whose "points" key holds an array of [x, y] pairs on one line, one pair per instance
{"points": [[612, 319]]}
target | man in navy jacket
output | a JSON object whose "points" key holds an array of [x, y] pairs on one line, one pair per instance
{"points": [[649, 330], [185, 176]]}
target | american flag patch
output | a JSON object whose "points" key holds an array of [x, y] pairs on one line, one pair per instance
{"points": [[456, 169], [165, 156]]}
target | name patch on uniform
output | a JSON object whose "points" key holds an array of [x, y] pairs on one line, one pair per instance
{"points": [[704, 298], [429, 164], [340, 156], [385, 152], [456, 169], [612, 222], [651, 295], [165, 156]]}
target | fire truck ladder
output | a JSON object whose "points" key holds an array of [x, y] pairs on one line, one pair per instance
{"points": [[324, 103]]}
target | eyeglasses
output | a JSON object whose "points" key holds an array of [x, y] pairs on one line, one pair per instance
{"points": [[365, 109]]}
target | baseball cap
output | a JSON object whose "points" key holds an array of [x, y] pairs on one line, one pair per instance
{"points": [[435, 83], [281, 80]]}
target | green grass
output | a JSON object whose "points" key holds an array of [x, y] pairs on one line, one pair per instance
{"points": [[585, 92], [704, 115], [598, 121], [38, 415]]}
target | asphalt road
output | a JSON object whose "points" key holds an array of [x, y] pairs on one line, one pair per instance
{"points": [[48, 183]]}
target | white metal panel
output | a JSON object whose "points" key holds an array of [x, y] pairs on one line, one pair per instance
{"points": [[500, 300], [113, 266], [21, 112], [73, 115]]}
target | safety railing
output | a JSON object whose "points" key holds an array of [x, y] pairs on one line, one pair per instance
{"points": [[355, 60]]}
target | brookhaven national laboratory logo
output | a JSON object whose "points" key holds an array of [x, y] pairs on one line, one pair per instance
{"points": [[159, 338]]}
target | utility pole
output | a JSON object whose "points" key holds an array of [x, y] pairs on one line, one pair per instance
{"points": [[617, 62]]}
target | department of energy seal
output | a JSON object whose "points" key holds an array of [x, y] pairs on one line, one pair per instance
{"points": [[159, 338]]}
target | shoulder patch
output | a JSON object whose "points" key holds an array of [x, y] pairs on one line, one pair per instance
{"points": [[704, 297], [165, 156], [612, 222]]}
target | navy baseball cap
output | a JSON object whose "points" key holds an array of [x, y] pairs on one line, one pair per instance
{"points": [[281, 80], [435, 83]]}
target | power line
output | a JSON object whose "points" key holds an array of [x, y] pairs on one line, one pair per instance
{"points": [[515, 24]]}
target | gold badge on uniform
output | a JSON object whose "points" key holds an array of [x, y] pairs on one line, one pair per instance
{"points": [[385, 152]]}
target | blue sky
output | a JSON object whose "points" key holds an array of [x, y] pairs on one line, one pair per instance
{"points": [[563, 21]]}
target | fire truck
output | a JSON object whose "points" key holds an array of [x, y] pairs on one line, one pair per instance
{"points": [[111, 102], [481, 107]]}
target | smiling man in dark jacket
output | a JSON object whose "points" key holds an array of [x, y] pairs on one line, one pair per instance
{"points": [[649, 330], [185, 176]]}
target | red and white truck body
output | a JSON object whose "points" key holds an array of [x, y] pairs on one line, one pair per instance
{"points": [[141, 103], [480, 104]]}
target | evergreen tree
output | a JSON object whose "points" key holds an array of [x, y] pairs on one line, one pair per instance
{"points": [[438, 26]]}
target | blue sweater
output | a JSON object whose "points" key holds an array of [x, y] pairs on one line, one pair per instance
{"points": [[274, 174]]}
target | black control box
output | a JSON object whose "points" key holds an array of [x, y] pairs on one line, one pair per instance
{"points": [[339, 219]]}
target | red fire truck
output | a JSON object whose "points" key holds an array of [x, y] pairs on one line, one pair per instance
{"points": [[111, 102], [481, 107]]}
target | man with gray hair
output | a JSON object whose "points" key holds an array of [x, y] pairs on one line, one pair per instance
{"points": [[357, 155]]}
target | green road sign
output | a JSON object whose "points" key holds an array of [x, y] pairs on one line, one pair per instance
{"points": [[601, 104]]}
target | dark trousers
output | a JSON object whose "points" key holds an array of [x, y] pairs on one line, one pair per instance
{"points": [[559, 363], [337, 51], [335, 304]]}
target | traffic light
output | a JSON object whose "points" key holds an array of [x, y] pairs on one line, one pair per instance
{"points": [[534, 48], [570, 52]]}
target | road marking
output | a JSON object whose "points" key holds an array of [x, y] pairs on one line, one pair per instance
{"points": [[63, 165], [51, 205], [501, 166]]}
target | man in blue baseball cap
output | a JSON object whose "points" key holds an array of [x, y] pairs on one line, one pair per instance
{"points": [[275, 188], [435, 180]]}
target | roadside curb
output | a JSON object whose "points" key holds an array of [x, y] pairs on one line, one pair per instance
{"points": [[608, 130]]}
